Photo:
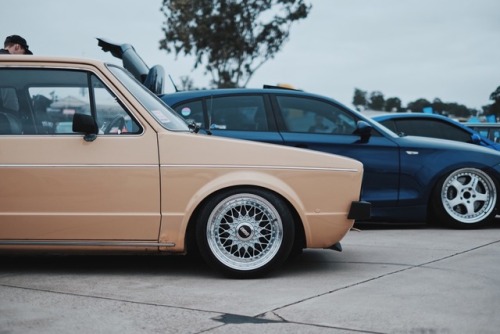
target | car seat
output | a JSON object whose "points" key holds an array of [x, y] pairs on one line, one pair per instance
{"points": [[9, 124]]}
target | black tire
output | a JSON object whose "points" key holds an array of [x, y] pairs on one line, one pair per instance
{"points": [[245, 233], [465, 198]]}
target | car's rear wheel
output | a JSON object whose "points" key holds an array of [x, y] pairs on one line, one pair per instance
{"points": [[245, 233], [466, 198]]}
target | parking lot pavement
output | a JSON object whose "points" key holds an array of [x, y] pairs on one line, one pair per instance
{"points": [[387, 280]]}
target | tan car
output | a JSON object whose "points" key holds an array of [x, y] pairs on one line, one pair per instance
{"points": [[92, 160]]}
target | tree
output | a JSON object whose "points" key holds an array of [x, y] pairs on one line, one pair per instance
{"points": [[438, 106], [187, 83], [359, 99], [377, 101], [458, 110], [495, 96], [494, 108], [231, 38], [418, 105], [393, 104]]}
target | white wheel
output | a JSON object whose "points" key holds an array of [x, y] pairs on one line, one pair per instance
{"points": [[245, 234], [466, 198]]}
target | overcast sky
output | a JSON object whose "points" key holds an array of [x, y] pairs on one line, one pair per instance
{"points": [[447, 49]]}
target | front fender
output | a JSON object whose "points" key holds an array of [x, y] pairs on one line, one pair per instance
{"points": [[182, 194]]}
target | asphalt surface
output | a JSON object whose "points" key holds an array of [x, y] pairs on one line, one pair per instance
{"points": [[415, 279]]}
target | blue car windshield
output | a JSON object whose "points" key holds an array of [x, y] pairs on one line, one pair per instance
{"points": [[168, 118]]}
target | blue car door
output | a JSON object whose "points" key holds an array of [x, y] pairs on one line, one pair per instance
{"points": [[323, 126]]}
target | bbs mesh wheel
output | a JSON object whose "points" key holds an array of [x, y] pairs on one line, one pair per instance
{"points": [[245, 233]]}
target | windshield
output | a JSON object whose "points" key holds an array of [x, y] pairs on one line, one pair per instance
{"points": [[168, 118]]}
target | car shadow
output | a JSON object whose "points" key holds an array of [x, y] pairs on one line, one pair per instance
{"points": [[103, 264], [170, 266], [391, 226], [176, 265], [415, 226]]}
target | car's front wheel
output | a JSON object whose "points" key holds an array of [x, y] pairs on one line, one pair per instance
{"points": [[466, 198], [245, 233]]}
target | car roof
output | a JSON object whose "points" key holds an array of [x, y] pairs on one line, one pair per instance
{"points": [[23, 59], [411, 115], [484, 125], [194, 94]]}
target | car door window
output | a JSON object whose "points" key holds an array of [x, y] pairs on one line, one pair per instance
{"points": [[48, 99], [10, 123], [237, 113], [305, 115], [483, 132], [192, 112], [432, 128], [491, 133]]}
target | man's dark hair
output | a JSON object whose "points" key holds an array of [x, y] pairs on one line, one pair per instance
{"points": [[16, 39]]}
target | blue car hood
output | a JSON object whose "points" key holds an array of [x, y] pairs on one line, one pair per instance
{"points": [[443, 144]]}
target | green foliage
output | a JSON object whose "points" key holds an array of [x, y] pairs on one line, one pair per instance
{"points": [[495, 96], [393, 104], [459, 110], [438, 106], [232, 39], [494, 108], [359, 99], [377, 101], [418, 105]]}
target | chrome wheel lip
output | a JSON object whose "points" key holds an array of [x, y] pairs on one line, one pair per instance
{"points": [[244, 232], [469, 195]]}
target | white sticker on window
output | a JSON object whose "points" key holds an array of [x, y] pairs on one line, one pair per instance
{"points": [[160, 116]]}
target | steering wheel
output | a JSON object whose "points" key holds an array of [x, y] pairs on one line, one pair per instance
{"points": [[117, 123]]}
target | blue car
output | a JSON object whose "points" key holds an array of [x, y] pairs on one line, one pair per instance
{"points": [[487, 130], [406, 179], [434, 126]]}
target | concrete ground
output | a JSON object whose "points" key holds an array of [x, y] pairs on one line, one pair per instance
{"points": [[388, 279]]}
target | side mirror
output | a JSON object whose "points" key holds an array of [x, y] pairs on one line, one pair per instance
{"points": [[364, 130], [476, 139], [85, 124]]}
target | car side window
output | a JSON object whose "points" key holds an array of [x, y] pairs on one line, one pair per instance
{"points": [[391, 125], [48, 99], [313, 116], [110, 114], [486, 132], [192, 112], [430, 128], [239, 113], [495, 136], [10, 117]]}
